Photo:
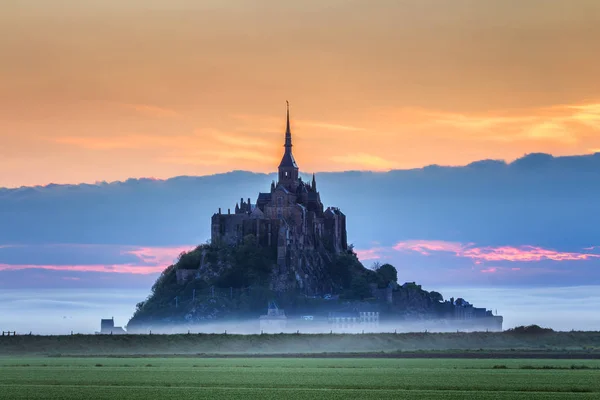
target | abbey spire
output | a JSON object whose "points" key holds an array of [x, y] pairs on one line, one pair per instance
{"points": [[288, 169], [288, 131], [289, 219]]}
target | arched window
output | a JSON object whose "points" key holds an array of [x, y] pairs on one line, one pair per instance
{"points": [[280, 201]]}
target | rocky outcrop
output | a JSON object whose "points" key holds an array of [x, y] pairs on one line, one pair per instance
{"points": [[216, 281]]}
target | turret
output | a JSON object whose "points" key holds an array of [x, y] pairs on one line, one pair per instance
{"points": [[314, 183]]}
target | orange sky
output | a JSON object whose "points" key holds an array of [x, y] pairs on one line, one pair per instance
{"points": [[110, 89]]}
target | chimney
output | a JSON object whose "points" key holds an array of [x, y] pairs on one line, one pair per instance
{"points": [[219, 210], [229, 211]]}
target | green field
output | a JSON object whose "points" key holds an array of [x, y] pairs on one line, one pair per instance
{"points": [[306, 378]]}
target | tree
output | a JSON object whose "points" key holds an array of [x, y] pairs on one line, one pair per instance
{"points": [[251, 265], [359, 288], [436, 297], [341, 270], [386, 273]]}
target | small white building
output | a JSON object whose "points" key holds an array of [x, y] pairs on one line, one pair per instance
{"points": [[107, 327], [274, 321], [353, 321]]}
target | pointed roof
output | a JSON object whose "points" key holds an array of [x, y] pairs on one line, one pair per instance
{"points": [[288, 158], [288, 131]]}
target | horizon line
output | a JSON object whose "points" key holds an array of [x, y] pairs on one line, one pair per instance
{"points": [[140, 178]]}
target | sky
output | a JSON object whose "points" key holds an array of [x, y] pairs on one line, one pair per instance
{"points": [[100, 91], [105, 90]]}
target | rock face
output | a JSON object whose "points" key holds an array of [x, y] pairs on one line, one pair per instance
{"points": [[218, 281], [306, 272]]}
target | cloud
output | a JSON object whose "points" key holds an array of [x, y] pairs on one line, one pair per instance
{"points": [[115, 268], [241, 140], [587, 114], [549, 130], [226, 157], [563, 124], [157, 256], [201, 147], [365, 161], [489, 270], [368, 254], [472, 122], [523, 253], [146, 260], [426, 247]]}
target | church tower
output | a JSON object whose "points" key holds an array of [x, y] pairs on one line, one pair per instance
{"points": [[288, 169]]}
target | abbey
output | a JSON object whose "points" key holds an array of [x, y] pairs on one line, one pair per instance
{"points": [[290, 218]]}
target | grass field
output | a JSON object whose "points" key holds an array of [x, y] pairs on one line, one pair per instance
{"points": [[306, 378]]}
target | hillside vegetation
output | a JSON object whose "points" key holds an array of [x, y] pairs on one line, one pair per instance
{"points": [[235, 282]]}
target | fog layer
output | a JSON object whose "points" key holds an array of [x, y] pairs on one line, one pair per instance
{"points": [[51, 312]]}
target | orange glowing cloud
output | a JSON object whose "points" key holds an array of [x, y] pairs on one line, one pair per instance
{"points": [[365, 161]]}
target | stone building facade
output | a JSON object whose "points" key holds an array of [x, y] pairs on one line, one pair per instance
{"points": [[290, 217]]}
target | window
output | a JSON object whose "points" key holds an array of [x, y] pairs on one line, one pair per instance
{"points": [[280, 201]]}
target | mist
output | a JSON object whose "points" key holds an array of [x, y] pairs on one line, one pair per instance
{"points": [[60, 312]]}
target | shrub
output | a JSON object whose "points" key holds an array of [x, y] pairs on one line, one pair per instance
{"points": [[530, 329]]}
